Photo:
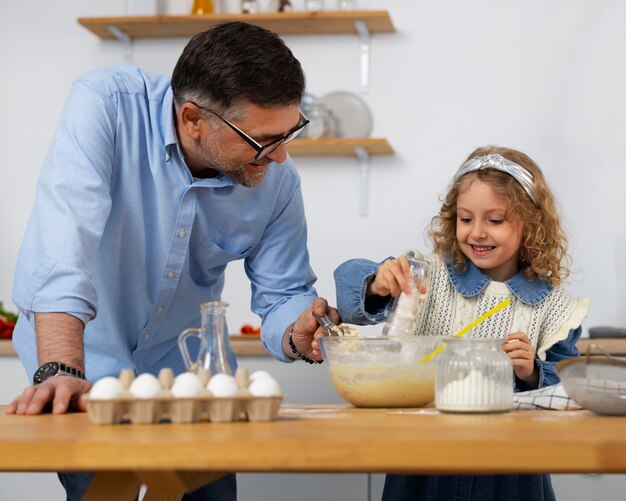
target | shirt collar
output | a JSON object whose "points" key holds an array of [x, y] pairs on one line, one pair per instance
{"points": [[472, 281], [169, 129]]}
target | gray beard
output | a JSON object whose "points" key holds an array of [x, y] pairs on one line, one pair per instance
{"points": [[237, 172]]}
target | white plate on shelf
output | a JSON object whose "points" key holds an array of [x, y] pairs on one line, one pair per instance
{"points": [[352, 114]]}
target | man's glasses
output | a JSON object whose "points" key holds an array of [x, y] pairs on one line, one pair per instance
{"points": [[262, 150]]}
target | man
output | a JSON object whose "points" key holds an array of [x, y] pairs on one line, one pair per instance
{"points": [[149, 190]]}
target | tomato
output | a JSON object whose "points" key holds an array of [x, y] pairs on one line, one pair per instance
{"points": [[7, 323], [6, 332], [249, 329]]}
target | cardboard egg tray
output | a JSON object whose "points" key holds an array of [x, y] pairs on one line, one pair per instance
{"points": [[183, 410], [167, 408]]}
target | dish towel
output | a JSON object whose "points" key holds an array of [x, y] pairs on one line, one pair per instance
{"points": [[549, 397]]}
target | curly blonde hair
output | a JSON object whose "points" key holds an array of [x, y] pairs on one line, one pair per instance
{"points": [[543, 253]]}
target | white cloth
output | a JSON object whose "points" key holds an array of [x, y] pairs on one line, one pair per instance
{"points": [[549, 397]]}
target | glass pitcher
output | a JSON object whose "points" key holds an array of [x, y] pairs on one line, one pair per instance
{"points": [[213, 349]]}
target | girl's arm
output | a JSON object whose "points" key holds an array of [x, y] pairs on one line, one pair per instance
{"points": [[352, 279]]}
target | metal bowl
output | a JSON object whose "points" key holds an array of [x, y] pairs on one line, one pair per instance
{"points": [[382, 371], [596, 383]]}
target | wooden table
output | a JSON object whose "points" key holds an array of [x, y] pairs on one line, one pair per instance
{"points": [[172, 459]]}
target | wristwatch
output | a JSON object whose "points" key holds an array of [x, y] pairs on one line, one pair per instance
{"points": [[55, 369]]}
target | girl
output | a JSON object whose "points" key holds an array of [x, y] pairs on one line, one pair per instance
{"points": [[497, 235]]}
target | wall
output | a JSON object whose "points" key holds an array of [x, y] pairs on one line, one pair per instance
{"points": [[545, 77]]}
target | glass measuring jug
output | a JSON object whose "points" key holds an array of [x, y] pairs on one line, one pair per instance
{"points": [[402, 319], [213, 348]]}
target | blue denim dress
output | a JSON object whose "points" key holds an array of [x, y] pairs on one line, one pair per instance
{"points": [[351, 280]]}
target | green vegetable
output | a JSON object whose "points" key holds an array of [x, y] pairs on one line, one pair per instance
{"points": [[7, 314]]}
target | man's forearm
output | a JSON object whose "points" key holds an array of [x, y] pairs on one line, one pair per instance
{"points": [[60, 339]]}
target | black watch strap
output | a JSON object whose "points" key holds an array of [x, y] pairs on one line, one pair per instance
{"points": [[51, 369]]}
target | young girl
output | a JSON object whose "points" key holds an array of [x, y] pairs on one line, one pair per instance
{"points": [[496, 236]]}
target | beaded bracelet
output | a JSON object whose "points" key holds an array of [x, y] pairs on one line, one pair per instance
{"points": [[295, 351]]}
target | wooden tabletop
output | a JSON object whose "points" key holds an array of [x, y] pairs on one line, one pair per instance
{"points": [[324, 438]]}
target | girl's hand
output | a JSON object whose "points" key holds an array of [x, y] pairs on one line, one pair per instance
{"points": [[522, 354], [391, 278]]}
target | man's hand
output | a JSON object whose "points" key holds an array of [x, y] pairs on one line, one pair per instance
{"points": [[306, 330], [62, 392]]}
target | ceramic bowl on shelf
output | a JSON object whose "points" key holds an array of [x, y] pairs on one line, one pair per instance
{"points": [[352, 114], [382, 371]]}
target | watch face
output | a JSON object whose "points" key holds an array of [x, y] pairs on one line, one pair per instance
{"points": [[45, 371]]}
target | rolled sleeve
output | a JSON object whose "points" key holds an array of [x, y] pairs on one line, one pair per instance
{"points": [[279, 270], [55, 269], [351, 280]]}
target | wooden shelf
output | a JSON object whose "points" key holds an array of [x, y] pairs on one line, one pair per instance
{"points": [[285, 23], [613, 346], [338, 147], [6, 348]]}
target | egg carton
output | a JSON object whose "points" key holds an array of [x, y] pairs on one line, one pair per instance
{"points": [[183, 410], [164, 408]]}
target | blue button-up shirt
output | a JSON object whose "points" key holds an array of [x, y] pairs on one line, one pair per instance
{"points": [[125, 239]]}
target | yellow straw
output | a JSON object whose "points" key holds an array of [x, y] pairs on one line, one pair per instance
{"points": [[468, 327]]}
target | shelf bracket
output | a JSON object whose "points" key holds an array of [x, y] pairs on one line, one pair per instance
{"points": [[365, 43], [127, 43], [363, 158]]}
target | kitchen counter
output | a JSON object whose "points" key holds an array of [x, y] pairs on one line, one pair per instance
{"points": [[250, 345], [243, 345], [313, 439]]}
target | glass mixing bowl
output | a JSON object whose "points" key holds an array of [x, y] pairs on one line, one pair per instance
{"points": [[382, 371]]}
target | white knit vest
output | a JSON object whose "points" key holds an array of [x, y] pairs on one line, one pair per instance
{"points": [[446, 312]]}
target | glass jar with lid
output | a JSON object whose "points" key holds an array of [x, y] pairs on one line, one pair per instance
{"points": [[346, 4], [321, 121], [249, 6], [474, 375], [313, 5]]}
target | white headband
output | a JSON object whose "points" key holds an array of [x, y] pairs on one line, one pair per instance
{"points": [[498, 162]]}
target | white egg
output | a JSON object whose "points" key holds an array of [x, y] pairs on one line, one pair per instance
{"points": [[187, 384], [145, 386], [260, 375], [222, 385], [106, 388], [265, 387]]}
